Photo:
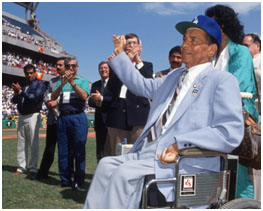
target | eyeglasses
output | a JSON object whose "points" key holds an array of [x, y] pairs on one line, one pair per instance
{"points": [[71, 65], [131, 43]]}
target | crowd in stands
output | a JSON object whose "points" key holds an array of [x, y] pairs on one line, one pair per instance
{"points": [[10, 112], [19, 61], [28, 38], [16, 33]]}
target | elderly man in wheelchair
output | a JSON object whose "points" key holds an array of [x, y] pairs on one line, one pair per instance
{"points": [[195, 106], [214, 189]]}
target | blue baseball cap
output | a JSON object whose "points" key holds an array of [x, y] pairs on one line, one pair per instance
{"points": [[203, 22]]}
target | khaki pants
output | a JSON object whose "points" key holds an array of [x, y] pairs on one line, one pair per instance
{"points": [[27, 135], [116, 135]]}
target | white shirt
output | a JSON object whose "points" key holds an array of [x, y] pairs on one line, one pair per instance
{"points": [[193, 72], [222, 60], [106, 81], [257, 68], [123, 87]]}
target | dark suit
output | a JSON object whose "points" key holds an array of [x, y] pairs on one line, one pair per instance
{"points": [[100, 117], [129, 112], [162, 73], [126, 113], [51, 135]]}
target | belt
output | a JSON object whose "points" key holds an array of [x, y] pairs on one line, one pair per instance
{"points": [[70, 112]]}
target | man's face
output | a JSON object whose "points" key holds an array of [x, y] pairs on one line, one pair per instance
{"points": [[195, 49], [104, 71], [30, 75], [253, 47], [131, 43], [60, 67], [175, 60], [72, 66]]}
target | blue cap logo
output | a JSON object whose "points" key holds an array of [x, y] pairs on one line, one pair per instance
{"points": [[195, 20]]}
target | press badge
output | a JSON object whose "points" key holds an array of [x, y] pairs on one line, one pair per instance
{"points": [[66, 97]]}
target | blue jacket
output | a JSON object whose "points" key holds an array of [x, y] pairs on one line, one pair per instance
{"points": [[30, 101]]}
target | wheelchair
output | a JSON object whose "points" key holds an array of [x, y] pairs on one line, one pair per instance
{"points": [[215, 189]]}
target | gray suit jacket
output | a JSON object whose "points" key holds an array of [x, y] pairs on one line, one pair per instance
{"points": [[209, 117]]}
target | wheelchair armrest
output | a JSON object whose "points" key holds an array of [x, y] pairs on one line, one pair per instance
{"points": [[198, 152]]}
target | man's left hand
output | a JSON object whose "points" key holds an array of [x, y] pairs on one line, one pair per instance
{"points": [[69, 75], [51, 104], [16, 87], [97, 97], [169, 154], [133, 54], [119, 44]]}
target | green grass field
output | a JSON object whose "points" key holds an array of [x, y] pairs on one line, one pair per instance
{"points": [[18, 192]]}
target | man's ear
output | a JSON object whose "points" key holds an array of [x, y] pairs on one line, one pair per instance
{"points": [[212, 50], [258, 44]]}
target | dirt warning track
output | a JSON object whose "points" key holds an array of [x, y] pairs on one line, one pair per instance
{"points": [[90, 135]]}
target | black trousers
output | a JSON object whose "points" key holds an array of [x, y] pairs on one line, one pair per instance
{"points": [[48, 156], [101, 135], [49, 153]]}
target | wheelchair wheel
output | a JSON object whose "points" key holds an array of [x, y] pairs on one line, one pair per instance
{"points": [[242, 203]]}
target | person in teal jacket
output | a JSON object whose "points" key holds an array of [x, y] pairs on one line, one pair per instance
{"points": [[236, 59]]}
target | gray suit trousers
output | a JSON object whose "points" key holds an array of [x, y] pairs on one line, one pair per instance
{"points": [[118, 180]]}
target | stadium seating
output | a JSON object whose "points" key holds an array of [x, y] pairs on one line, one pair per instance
{"points": [[23, 27]]}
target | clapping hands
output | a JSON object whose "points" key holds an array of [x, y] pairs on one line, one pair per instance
{"points": [[16, 87], [119, 44], [97, 97], [68, 76]]}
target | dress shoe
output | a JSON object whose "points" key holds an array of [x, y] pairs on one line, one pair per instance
{"points": [[32, 175], [63, 186], [18, 172], [76, 187], [39, 176]]}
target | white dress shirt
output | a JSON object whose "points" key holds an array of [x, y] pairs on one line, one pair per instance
{"points": [[193, 72], [222, 61], [123, 87]]}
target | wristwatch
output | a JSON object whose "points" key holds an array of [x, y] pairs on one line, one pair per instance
{"points": [[74, 85]]}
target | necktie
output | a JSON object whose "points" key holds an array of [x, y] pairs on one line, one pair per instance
{"points": [[102, 86], [157, 127]]}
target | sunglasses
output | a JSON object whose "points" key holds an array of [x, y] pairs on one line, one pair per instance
{"points": [[71, 65]]}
